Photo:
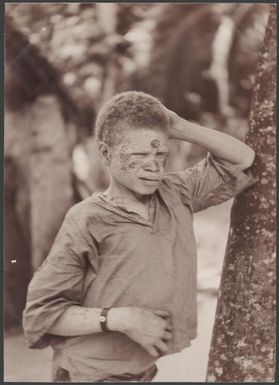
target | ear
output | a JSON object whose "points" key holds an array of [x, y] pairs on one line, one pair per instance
{"points": [[104, 152]]}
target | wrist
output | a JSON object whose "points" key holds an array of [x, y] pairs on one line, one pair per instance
{"points": [[117, 319], [103, 319], [178, 126]]}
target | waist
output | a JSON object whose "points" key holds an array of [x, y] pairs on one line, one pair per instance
{"points": [[62, 375], [93, 357], [146, 376]]}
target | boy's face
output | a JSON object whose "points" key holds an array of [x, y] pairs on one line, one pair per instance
{"points": [[138, 162]]}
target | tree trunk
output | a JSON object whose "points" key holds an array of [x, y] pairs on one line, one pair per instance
{"points": [[107, 17], [50, 175], [17, 250], [38, 192], [243, 342]]}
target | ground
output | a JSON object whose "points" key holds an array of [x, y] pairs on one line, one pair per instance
{"points": [[211, 229]]}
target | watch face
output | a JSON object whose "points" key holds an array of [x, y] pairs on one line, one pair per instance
{"points": [[102, 318]]}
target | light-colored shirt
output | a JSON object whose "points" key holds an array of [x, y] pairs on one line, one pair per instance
{"points": [[105, 256]]}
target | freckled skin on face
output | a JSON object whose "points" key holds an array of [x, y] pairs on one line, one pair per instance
{"points": [[138, 163], [127, 164], [125, 161], [125, 157]]}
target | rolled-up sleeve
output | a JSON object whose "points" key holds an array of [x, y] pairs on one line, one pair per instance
{"points": [[210, 182], [57, 284]]}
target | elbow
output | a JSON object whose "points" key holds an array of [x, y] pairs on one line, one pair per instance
{"points": [[249, 159]]}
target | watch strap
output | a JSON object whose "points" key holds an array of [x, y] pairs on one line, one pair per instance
{"points": [[103, 319]]}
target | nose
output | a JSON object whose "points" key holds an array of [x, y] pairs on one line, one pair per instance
{"points": [[152, 166]]}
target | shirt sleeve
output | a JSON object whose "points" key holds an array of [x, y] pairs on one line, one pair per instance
{"points": [[210, 182], [57, 284]]}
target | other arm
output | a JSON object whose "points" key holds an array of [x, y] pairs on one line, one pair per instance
{"points": [[220, 145], [147, 327]]}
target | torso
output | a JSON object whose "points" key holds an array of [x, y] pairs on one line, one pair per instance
{"points": [[140, 263]]}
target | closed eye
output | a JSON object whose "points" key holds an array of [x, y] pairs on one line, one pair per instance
{"points": [[161, 153], [140, 153]]}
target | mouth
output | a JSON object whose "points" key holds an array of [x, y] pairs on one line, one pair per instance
{"points": [[152, 180]]}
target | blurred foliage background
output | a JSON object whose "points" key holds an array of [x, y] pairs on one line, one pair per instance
{"points": [[181, 53], [64, 60]]}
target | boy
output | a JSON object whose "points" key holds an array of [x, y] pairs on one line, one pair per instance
{"points": [[118, 289]]}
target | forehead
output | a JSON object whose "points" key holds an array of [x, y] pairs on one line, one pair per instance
{"points": [[144, 139]]}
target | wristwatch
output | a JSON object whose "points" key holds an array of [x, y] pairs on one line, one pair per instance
{"points": [[103, 319]]}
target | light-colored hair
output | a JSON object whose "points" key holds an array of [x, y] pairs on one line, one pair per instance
{"points": [[128, 111]]}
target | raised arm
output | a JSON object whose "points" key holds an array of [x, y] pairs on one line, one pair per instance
{"points": [[221, 145]]}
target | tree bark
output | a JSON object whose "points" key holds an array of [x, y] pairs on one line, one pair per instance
{"points": [[243, 342]]}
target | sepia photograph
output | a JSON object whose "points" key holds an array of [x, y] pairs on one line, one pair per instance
{"points": [[139, 192]]}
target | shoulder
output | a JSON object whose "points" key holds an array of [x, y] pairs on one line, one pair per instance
{"points": [[170, 188], [175, 180], [90, 217], [85, 212], [87, 208]]}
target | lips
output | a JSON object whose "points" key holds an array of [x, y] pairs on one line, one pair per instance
{"points": [[154, 180]]}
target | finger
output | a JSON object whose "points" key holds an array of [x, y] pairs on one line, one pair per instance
{"points": [[167, 336], [152, 351], [162, 346], [168, 327], [162, 313]]}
